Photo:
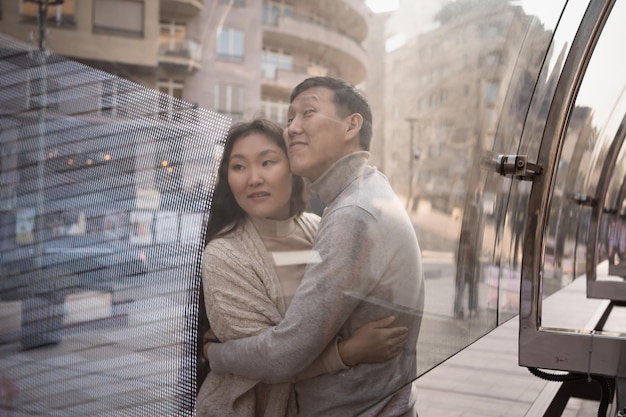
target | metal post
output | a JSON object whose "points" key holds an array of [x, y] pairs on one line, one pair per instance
{"points": [[42, 17], [41, 319], [412, 121]]}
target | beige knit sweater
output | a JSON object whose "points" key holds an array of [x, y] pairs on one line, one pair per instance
{"points": [[243, 298]]}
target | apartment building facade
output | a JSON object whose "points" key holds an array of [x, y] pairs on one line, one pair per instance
{"points": [[447, 95], [237, 57]]}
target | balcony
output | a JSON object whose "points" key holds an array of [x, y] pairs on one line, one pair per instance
{"points": [[298, 33], [184, 54], [350, 15], [181, 9], [283, 82]]}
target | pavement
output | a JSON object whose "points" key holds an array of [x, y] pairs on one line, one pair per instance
{"points": [[485, 380]]}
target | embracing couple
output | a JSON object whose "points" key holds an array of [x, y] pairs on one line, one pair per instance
{"points": [[314, 317]]}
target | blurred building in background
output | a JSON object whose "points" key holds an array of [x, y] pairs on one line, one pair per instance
{"points": [[446, 84], [237, 57], [240, 58]]}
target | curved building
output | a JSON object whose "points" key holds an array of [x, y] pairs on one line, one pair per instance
{"points": [[237, 57], [255, 52]]}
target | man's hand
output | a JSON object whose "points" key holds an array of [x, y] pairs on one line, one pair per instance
{"points": [[207, 338], [374, 342]]}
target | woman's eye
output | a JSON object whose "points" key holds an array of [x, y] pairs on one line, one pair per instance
{"points": [[237, 167], [268, 162], [308, 111]]}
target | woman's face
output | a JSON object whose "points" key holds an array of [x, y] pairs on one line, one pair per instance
{"points": [[259, 177]]}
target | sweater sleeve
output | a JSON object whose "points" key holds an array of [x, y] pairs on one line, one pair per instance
{"points": [[328, 362], [320, 307]]}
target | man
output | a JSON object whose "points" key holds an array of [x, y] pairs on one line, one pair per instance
{"points": [[369, 266]]}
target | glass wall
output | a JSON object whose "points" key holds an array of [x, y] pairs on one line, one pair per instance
{"points": [[108, 169]]}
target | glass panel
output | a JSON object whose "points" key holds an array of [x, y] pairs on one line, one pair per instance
{"points": [[96, 277], [593, 126], [451, 84]]}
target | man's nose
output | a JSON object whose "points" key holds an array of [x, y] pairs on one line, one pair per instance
{"points": [[293, 127]]}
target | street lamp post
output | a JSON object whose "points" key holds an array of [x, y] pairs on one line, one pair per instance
{"points": [[413, 155], [42, 16], [41, 312]]}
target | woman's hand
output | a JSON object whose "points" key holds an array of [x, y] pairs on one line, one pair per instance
{"points": [[373, 343]]}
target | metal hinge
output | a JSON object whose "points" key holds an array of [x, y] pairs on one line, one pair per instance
{"points": [[584, 199], [517, 166]]}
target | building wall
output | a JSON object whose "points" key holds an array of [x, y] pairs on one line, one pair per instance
{"points": [[85, 41], [200, 86], [191, 69], [448, 85]]}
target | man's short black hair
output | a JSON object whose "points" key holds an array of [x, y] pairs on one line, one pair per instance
{"points": [[347, 99]]}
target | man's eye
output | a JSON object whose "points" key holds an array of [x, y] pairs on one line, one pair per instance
{"points": [[268, 162], [308, 111]]}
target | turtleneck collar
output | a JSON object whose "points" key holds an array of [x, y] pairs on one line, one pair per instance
{"points": [[340, 174], [274, 228]]}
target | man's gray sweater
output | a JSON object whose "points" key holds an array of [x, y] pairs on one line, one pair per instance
{"points": [[369, 267]]}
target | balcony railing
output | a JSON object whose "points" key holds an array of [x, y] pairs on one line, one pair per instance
{"points": [[346, 52], [186, 52], [181, 9], [274, 21]]}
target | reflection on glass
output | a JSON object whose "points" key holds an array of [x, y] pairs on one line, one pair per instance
{"points": [[460, 86], [99, 240], [451, 84], [590, 172]]}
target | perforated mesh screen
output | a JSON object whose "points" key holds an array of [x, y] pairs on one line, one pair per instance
{"points": [[104, 186]]}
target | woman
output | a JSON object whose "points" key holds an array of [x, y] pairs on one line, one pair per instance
{"points": [[258, 242]]}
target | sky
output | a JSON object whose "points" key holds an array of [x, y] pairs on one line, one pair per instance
{"points": [[381, 6]]}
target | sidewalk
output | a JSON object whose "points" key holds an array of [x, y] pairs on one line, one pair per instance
{"points": [[485, 380]]}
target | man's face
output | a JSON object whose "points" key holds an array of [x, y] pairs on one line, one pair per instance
{"points": [[315, 134]]}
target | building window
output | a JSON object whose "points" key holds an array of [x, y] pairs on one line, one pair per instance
{"points": [[273, 10], [109, 97], [491, 29], [172, 37], [275, 110], [230, 45], [62, 15], [172, 89], [173, 41], [118, 17], [422, 103], [315, 69], [229, 99], [272, 60], [493, 58], [443, 97], [491, 92], [491, 120]]}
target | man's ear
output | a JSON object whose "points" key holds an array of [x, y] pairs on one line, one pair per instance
{"points": [[354, 121]]}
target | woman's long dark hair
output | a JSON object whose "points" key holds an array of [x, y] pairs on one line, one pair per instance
{"points": [[225, 215]]}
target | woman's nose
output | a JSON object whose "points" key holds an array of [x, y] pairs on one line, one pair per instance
{"points": [[255, 177]]}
